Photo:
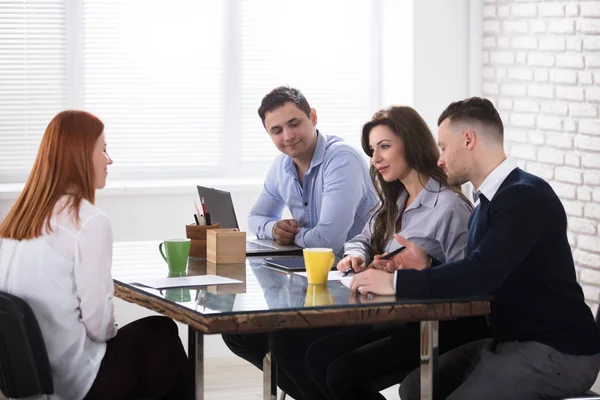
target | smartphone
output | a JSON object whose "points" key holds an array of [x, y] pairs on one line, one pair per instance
{"points": [[393, 253]]}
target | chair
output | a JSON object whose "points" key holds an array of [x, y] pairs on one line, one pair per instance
{"points": [[24, 365]]}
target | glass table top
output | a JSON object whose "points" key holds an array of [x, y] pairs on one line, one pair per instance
{"points": [[263, 288]]}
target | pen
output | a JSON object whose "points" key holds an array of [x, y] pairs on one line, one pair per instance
{"points": [[203, 204], [348, 271], [197, 210], [207, 217], [393, 253], [196, 218]]}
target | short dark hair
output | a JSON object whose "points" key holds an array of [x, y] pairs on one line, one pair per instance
{"points": [[278, 97], [474, 109]]}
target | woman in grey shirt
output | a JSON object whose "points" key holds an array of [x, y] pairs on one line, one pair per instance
{"points": [[416, 201]]}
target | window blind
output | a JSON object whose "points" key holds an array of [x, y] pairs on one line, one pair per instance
{"points": [[32, 79], [324, 48], [178, 83], [153, 71]]}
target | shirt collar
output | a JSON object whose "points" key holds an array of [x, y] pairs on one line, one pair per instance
{"points": [[492, 182], [428, 196], [317, 158]]}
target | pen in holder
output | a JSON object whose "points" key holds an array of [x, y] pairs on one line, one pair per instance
{"points": [[197, 234], [225, 246]]}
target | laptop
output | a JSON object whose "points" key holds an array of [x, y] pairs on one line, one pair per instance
{"points": [[219, 205]]}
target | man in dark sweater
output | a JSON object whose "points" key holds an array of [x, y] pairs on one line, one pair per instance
{"points": [[545, 342]]}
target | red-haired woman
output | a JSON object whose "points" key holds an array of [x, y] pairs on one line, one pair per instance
{"points": [[56, 255]]}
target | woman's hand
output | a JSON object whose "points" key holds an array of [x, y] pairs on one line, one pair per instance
{"points": [[354, 263]]}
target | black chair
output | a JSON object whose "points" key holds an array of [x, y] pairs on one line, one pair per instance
{"points": [[24, 366]]}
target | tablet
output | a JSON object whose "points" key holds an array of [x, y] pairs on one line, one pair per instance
{"points": [[294, 264]]}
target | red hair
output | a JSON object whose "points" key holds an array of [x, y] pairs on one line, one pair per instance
{"points": [[63, 166]]}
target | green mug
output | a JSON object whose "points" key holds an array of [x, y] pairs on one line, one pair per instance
{"points": [[177, 251]]}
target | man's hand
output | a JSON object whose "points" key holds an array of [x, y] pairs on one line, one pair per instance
{"points": [[373, 281], [414, 257], [385, 265], [355, 263], [285, 231]]}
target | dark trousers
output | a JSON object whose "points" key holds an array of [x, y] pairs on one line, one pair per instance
{"points": [[253, 348], [488, 370], [287, 349], [146, 360], [356, 363]]}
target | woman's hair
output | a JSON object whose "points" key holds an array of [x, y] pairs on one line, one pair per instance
{"points": [[63, 166], [420, 153]]}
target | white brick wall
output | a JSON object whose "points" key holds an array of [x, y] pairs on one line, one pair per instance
{"points": [[541, 68]]}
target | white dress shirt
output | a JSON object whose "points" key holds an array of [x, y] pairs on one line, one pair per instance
{"points": [[65, 277], [494, 180]]}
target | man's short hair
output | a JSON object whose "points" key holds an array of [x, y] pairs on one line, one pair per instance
{"points": [[474, 109], [278, 97]]}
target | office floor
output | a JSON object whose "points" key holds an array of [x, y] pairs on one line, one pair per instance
{"points": [[247, 383]]}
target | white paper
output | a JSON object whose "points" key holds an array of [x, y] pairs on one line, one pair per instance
{"points": [[185, 281], [333, 276]]}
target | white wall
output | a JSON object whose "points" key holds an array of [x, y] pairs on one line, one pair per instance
{"points": [[542, 70], [156, 210], [441, 56]]}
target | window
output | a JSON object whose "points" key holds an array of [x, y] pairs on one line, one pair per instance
{"points": [[178, 83], [33, 79]]}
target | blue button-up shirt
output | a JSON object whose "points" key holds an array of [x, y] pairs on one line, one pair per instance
{"points": [[331, 207]]}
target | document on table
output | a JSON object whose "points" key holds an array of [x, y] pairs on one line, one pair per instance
{"points": [[334, 276], [185, 281]]}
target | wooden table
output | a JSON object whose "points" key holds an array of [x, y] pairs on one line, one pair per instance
{"points": [[270, 300]]}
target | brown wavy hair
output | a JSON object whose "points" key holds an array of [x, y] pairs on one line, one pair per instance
{"points": [[63, 166], [421, 154]]}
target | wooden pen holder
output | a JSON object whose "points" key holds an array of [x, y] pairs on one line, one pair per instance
{"points": [[225, 246], [197, 234]]}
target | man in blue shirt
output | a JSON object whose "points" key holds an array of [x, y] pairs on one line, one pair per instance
{"points": [[545, 343], [325, 184], [323, 181]]}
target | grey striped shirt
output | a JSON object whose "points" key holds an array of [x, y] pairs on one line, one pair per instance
{"points": [[437, 220]]}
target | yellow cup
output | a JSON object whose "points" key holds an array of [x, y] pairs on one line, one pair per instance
{"points": [[317, 295], [318, 263]]}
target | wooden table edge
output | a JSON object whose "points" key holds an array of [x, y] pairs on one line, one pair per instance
{"points": [[266, 321]]}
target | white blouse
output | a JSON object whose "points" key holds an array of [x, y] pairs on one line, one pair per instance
{"points": [[65, 277]]}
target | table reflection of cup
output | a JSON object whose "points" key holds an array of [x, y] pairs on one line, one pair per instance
{"points": [[179, 295], [317, 295]]}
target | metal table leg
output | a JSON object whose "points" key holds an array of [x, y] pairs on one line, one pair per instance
{"points": [[196, 356], [429, 357], [269, 378]]}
